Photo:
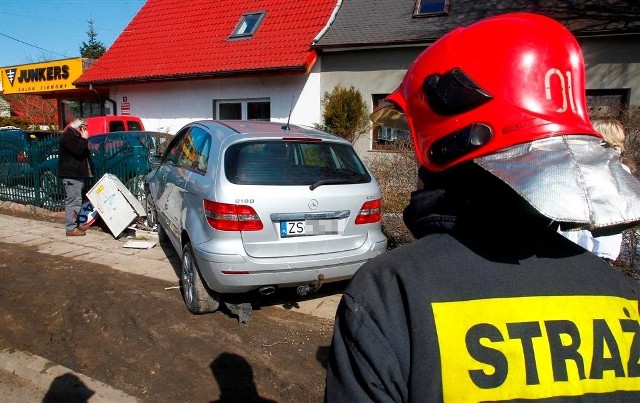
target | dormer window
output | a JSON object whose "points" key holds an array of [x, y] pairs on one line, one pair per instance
{"points": [[248, 25], [427, 8]]}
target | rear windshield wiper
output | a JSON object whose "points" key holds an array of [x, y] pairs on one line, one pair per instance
{"points": [[333, 181]]}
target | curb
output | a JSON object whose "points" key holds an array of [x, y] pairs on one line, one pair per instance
{"points": [[61, 382]]}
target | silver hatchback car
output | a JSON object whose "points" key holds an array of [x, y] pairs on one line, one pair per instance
{"points": [[258, 205]]}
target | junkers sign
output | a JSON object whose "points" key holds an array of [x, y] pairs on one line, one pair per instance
{"points": [[41, 77]]}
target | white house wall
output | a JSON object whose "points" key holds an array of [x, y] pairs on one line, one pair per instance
{"points": [[368, 71], [166, 106], [613, 63]]}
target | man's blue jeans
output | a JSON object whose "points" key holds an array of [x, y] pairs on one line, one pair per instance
{"points": [[73, 202]]}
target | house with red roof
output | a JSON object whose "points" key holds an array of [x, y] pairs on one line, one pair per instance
{"points": [[179, 61]]}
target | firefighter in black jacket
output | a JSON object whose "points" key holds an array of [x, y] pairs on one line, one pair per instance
{"points": [[491, 303]]}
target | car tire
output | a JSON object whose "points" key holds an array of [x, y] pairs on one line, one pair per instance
{"points": [[152, 218], [51, 192], [150, 209], [194, 292]]}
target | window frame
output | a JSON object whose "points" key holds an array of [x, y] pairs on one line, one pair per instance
{"points": [[445, 9], [236, 34], [244, 107]]}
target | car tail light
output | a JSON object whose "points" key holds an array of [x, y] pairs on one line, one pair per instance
{"points": [[22, 157], [370, 212], [231, 217]]}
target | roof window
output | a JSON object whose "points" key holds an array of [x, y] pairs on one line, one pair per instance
{"points": [[426, 8], [247, 25]]}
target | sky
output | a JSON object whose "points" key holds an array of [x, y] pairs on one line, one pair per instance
{"points": [[33, 31]]}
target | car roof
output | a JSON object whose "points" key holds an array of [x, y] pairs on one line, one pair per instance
{"points": [[127, 133], [110, 118], [28, 134], [134, 132], [255, 128], [12, 129]]}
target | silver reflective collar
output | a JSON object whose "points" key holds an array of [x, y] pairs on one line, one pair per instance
{"points": [[572, 179]]}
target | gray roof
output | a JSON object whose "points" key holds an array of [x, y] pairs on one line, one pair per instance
{"points": [[386, 22]]}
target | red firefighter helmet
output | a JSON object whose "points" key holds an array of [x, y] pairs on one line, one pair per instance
{"points": [[502, 81]]}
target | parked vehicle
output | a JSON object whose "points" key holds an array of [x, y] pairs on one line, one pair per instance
{"points": [[254, 205], [23, 150], [113, 123], [124, 154]]}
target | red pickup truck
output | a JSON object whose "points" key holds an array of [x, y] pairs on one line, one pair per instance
{"points": [[113, 123]]}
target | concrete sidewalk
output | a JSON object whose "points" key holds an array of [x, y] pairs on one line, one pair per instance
{"points": [[96, 247], [102, 248]]}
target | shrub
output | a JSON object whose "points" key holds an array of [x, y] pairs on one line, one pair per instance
{"points": [[345, 113], [10, 121]]}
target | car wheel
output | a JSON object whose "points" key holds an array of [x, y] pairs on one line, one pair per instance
{"points": [[150, 209], [196, 296], [50, 189], [136, 187], [152, 218]]}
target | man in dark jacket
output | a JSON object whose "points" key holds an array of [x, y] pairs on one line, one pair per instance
{"points": [[74, 168], [491, 303]]}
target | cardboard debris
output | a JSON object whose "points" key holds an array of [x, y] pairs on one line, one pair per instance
{"points": [[139, 244]]}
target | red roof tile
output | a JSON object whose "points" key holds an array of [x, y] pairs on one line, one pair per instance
{"points": [[177, 38]]}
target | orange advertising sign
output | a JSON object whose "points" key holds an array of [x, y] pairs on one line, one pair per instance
{"points": [[55, 75]]}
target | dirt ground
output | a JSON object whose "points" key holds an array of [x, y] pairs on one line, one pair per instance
{"points": [[135, 334]]}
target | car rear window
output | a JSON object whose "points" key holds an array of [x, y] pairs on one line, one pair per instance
{"points": [[289, 163], [133, 125], [116, 126]]}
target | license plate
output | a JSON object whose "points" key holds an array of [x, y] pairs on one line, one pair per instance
{"points": [[292, 228]]}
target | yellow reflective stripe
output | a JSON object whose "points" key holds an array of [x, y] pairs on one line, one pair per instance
{"points": [[538, 347]]}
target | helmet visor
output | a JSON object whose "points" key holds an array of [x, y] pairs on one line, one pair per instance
{"points": [[570, 179]]}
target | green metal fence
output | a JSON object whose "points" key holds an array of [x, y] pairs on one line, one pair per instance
{"points": [[28, 164]]}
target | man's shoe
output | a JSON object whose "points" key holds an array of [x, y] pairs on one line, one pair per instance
{"points": [[76, 232], [83, 227]]}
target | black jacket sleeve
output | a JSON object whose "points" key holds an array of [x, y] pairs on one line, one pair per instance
{"points": [[362, 365]]}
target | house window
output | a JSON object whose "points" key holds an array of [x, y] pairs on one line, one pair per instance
{"points": [[388, 138], [426, 8], [608, 103], [242, 109], [248, 25], [229, 110]]}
